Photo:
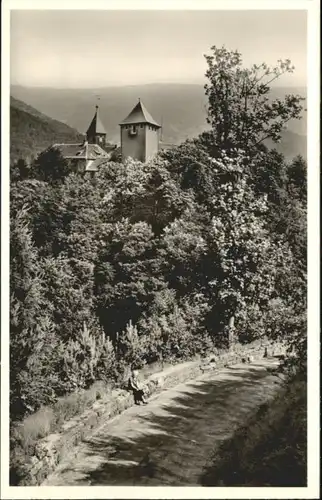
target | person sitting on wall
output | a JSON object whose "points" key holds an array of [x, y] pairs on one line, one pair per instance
{"points": [[137, 388]]}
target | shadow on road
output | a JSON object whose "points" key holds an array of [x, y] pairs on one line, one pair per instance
{"points": [[169, 441]]}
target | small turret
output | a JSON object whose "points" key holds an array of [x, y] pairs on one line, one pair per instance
{"points": [[96, 133]]}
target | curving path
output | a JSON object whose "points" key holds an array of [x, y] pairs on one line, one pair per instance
{"points": [[169, 441]]}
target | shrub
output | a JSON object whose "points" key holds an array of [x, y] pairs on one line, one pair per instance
{"points": [[88, 358], [174, 336], [130, 351]]}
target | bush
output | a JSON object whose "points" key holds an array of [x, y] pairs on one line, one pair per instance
{"points": [[88, 358], [131, 352]]}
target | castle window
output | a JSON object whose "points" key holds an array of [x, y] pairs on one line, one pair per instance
{"points": [[133, 130]]}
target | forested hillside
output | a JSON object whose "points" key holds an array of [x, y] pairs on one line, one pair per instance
{"points": [[31, 131]]}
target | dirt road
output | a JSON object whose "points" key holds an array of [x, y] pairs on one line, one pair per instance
{"points": [[169, 441]]}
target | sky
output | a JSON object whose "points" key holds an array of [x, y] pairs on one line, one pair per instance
{"points": [[93, 49]]}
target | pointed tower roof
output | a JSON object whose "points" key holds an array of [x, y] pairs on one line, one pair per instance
{"points": [[139, 114], [96, 126]]}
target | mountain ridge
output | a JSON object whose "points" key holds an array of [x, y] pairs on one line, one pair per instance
{"points": [[31, 131]]}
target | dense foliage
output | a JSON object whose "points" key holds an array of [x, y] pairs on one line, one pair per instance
{"points": [[152, 261]]}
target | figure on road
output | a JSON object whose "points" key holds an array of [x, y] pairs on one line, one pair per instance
{"points": [[137, 388]]}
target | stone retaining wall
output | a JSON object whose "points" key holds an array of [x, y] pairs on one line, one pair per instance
{"points": [[50, 450]]}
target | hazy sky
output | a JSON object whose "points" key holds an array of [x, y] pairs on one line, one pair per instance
{"points": [[103, 48]]}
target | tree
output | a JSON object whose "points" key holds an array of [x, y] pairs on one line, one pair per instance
{"points": [[34, 346], [50, 166], [269, 176], [19, 171], [297, 178], [240, 110], [126, 274], [191, 167], [69, 291], [141, 192], [285, 185], [27, 193], [183, 252]]}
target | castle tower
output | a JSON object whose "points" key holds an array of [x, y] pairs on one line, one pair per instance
{"points": [[139, 134], [96, 133]]}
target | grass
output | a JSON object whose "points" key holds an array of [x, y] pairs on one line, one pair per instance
{"points": [[25, 435], [35, 427], [270, 450]]}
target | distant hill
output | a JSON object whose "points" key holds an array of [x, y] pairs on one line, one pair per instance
{"points": [[291, 145], [180, 108], [31, 131]]}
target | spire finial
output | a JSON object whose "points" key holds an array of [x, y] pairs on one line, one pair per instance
{"points": [[139, 99], [98, 98]]}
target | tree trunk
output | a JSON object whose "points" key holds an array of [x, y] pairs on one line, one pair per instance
{"points": [[231, 331]]}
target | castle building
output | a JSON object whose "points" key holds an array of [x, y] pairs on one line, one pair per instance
{"points": [[139, 140], [139, 134], [83, 157], [93, 152]]}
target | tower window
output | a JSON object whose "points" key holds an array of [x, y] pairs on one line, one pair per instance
{"points": [[133, 130]]}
